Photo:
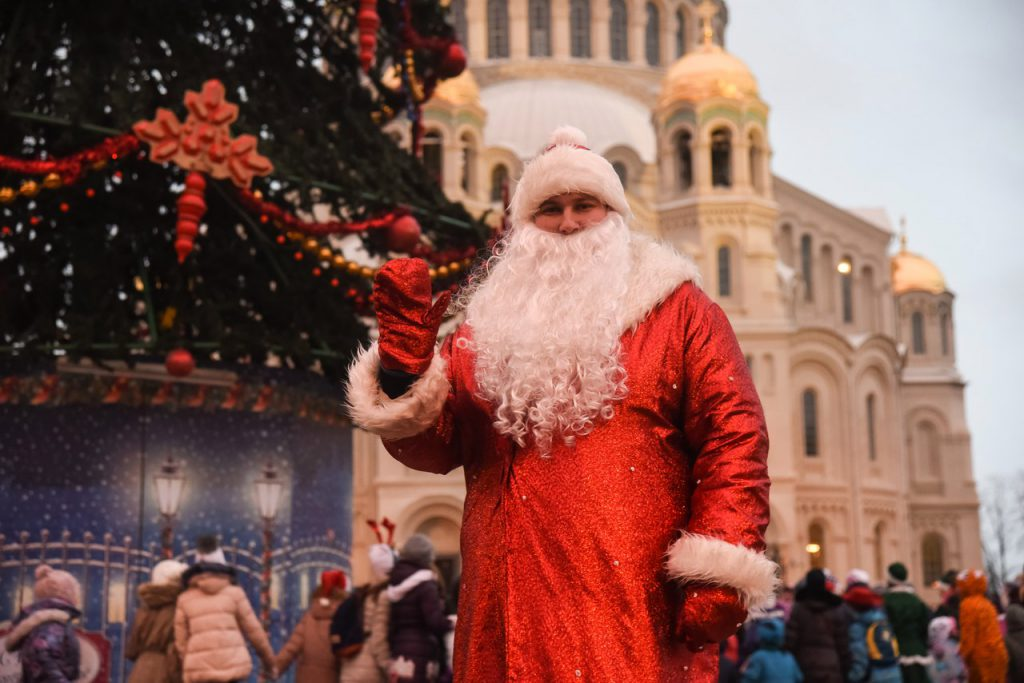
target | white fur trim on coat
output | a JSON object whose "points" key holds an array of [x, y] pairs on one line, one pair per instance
{"points": [[395, 418], [656, 270], [702, 559], [566, 167]]}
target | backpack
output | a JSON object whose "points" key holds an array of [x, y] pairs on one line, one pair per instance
{"points": [[883, 650], [347, 634]]}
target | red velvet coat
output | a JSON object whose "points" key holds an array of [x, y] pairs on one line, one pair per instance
{"points": [[564, 558]]}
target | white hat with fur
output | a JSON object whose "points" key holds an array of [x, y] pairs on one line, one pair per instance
{"points": [[567, 164]]}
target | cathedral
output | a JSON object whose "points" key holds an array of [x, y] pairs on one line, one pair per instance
{"points": [[852, 347]]}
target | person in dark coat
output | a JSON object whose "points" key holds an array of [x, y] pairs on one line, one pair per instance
{"points": [[950, 606], [42, 633], [417, 623], [909, 617], [1015, 633], [817, 632]]}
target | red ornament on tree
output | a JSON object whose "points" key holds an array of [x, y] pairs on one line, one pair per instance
{"points": [[180, 363], [453, 62], [368, 22], [404, 234], [191, 207]]}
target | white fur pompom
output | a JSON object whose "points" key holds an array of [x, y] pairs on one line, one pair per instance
{"points": [[568, 135]]}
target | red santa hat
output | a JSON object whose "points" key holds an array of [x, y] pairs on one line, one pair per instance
{"points": [[567, 164]]}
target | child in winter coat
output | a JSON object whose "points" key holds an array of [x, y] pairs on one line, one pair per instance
{"points": [[946, 666], [151, 640], [310, 642], [42, 633], [359, 630], [874, 652], [210, 619], [981, 643], [770, 663]]}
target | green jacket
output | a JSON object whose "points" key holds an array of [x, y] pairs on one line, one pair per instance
{"points": [[909, 617]]}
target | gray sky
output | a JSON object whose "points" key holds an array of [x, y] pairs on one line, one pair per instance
{"points": [[915, 106]]}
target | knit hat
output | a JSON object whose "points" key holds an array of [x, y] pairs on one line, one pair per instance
{"points": [[382, 560], [418, 550], [168, 572], [57, 584], [897, 572], [567, 164], [858, 576], [208, 550]]}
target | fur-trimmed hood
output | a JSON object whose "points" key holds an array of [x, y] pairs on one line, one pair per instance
{"points": [[36, 614]]}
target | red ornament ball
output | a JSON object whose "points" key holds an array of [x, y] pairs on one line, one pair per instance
{"points": [[453, 62], [180, 363], [404, 234]]}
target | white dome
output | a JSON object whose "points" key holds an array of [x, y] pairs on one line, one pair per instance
{"points": [[522, 113]]}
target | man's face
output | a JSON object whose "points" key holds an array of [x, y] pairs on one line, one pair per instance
{"points": [[569, 212]]}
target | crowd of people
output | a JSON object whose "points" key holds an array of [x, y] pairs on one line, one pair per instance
{"points": [[882, 633], [194, 624]]}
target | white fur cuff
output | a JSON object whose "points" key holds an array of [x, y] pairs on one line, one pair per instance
{"points": [[398, 418], [703, 559]]}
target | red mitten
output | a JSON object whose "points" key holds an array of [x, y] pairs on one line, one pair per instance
{"points": [[406, 319], [708, 614]]}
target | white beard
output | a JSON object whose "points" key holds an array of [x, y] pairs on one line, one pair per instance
{"points": [[546, 323]]}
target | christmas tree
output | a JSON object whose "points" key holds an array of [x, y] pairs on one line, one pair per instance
{"points": [[91, 265]]}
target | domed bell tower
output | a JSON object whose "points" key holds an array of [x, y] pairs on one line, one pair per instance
{"points": [[715, 197]]}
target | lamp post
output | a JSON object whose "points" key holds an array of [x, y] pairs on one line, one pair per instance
{"points": [[268, 497], [170, 484]]}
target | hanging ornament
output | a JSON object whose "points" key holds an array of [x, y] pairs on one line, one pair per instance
{"points": [[453, 61], [116, 390], [191, 207], [45, 391], [368, 22], [204, 142], [180, 363], [263, 399], [404, 234]]}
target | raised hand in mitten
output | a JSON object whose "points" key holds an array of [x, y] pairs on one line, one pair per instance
{"points": [[407, 321], [708, 614]]}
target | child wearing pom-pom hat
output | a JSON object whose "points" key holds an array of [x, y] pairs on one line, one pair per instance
{"points": [[42, 634]]}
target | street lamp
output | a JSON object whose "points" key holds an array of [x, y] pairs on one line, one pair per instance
{"points": [[268, 497], [170, 484]]}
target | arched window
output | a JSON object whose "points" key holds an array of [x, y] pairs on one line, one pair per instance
{"points": [[618, 27], [932, 551], [724, 271], [461, 25], [807, 266], [499, 178], [433, 155], [816, 545], [926, 447], [846, 287], [497, 29], [468, 165], [721, 158], [579, 28], [785, 244], [540, 28], [622, 172], [684, 158], [680, 33], [870, 410], [917, 332], [652, 35], [944, 332], [810, 412], [754, 155]]}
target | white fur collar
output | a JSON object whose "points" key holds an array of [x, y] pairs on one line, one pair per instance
{"points": [[656, 270], [901, 588], [396, 593], [19, 632]]}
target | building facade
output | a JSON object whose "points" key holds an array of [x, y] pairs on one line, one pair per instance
{"points": [[852, 349]]}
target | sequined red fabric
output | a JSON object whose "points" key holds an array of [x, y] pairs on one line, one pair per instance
{"points": [[563, 576], [407, 322], [710, 614]]}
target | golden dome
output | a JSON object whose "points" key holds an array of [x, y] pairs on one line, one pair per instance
{"points": [[459, 91], [913, 272], [707, 72]]}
